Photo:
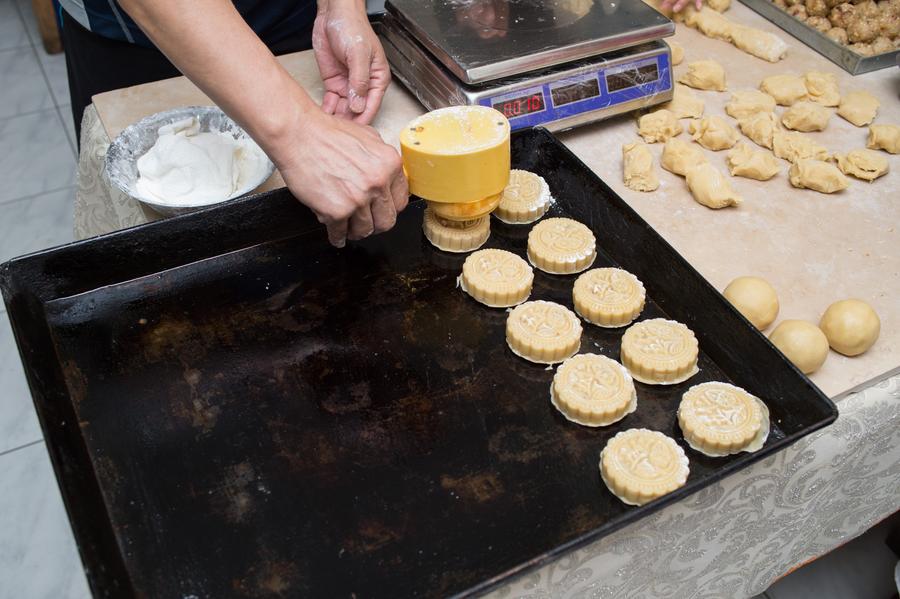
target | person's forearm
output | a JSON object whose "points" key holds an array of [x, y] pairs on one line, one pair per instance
{"points": [[212, 45]]}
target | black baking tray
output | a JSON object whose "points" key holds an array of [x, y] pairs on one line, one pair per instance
{"points": [[234, 408]]}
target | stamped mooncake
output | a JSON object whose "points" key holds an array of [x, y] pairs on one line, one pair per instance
{"points": [[608, 297], [593, 390], [455, 236], [525, 199], [543, 332], [496, 278], [660, 352], [561, 246], [639, 465], [719, 419]]}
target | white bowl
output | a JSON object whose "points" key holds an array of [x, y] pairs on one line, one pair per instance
{"points": [[136, 139]]}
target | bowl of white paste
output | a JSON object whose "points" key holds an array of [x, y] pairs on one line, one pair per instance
{"points": [[184, 159]]}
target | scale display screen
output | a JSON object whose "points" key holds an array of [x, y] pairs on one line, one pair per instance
{"points": [[574, 92], [632, 77], [521, 105]]}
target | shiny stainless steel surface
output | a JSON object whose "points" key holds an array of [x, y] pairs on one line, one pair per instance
{"points": [[485, 40]]}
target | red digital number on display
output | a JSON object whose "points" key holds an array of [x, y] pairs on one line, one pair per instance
{"points": [[521, 106]]}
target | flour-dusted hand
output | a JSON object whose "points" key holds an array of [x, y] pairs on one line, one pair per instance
{"points": [[679, 5], [351, 60]]}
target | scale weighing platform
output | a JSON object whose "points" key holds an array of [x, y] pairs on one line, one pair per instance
{"points": [[550, 63]]}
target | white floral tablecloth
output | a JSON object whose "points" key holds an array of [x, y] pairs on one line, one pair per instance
{"points": [[728, 541]]}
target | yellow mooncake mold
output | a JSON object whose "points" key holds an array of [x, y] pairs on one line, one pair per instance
{"points": [[719, 419], [525, 199], [455, 236], [561, 246], [593, 390], [608, 297], [543, 332], [660, 352], [639, 465], [496, 278]]}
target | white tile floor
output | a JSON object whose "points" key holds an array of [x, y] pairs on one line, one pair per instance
{"points": [[38, 557]]}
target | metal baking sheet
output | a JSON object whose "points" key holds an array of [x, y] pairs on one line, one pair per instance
{"points": [[839, 54], [234, 408]]}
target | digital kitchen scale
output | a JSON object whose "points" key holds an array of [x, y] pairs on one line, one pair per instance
{"points": [[554, 63]]}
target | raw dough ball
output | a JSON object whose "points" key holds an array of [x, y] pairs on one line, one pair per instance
{"points": [[744, 161], [746, 102], [455, 236], [658, 126], [758, 43], [685, 104], [755, 298], [889, 25], [710, 23], [525, 199], [862, 49], [838, 34], [798, 11], [793, 146], [760, 127], [677, 52], [841, 14], [803, 343], [862, 29], [859, 108], [680, 156], [822, 88], [851, 326], [819, 23], [817, 175], [705, 74], [786, 89], [637, 166], [884, 137], [719, 5], [816, 8], [711, 188], [867, 165], [882, 45], [806, 116], [713, 133]]}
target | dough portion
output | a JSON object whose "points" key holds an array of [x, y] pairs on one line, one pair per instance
{"points": [[685, 104], [859, 108], [786, 89], [677, 52], [660, 352], [659, 126], [637, 166], [640, 465], [758, 43], [719, 5], [608, 297], [744, 161], [543, 332], [760, 127], [802, 343], [455, 236], [747, 102], [525, 199], [806, 116], [561, 246], [867, 165], [713, 133], [884, 137], [793, 146], [496, 278], [822, 88], [680, 156], [817, 175], [593, 390], [705, 74], [711, 188], [710, 23], [851, 326], [719, 419], [755, 298]]}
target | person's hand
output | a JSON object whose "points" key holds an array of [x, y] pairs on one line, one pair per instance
{"points": [[351, 61], [347, 176], [679, 5]]}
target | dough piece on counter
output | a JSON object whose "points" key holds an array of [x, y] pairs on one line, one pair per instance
{"points": [[719, 5], [747, 102], [711, 188], [658, 126], [822, 88], [525, 199], [802, 343], [640, 465], [755, 298], [561, 246], [710, 23], [455, 236], [793, 146], [680, 156], [685, 104], [593, 390], [705, 74], [713, 133], [760, 127], [660, 352], [608, 297], [817, 175], [867, 165], [786, 89], [851, 326], [496, 278], [744, 161], [806, 116], [884, 137], [637, 167], [758, 43], [543, 332], [859, 108], [718, 419], [677, 52]]}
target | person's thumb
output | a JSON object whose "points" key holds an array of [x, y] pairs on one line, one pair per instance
{"points": [[359, 62]]}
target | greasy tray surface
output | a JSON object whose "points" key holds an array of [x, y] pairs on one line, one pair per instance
{"points": [[283, 417]]}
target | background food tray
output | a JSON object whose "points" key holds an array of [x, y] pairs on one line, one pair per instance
{"points": [[837, 53], [234, 408]]}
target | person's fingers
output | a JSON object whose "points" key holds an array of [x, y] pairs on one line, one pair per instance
{"points": [[666, 4], [359, 64], [361, 225], [680, 4], [330, 102], [373, 103], [400, 191], [342, 109], [384, 213], [698, 4], [337, 233]]}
